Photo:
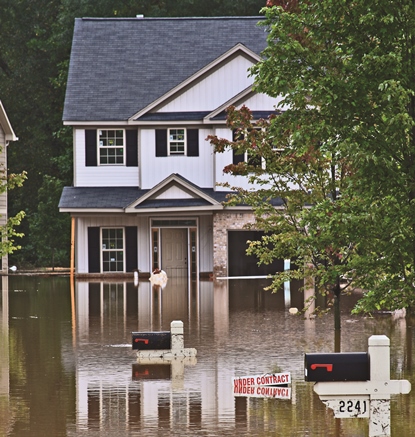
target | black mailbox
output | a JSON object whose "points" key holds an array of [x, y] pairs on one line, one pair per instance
{"points": [[350, 366], [151, 340]]}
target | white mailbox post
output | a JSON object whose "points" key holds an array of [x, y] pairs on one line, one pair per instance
{"points": [[371, 398]]}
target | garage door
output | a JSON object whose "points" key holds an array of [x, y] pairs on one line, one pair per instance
{"points": [[240, 264]]}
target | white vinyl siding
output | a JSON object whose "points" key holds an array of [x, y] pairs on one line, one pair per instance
{"points": [[113, 221], [102, 175], [3, 196], [198, 169], [2, 137], [3, 165], [205, 243], [224, 159], [215, 89]]}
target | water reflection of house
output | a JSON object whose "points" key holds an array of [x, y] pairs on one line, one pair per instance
{"points": [[103, 304], [145, 192], [108, 395], [114, 390], [4, 338], [5, 404]]}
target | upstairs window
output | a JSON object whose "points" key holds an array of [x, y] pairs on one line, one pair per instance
{"points": [[111, 147], [177, 141], [108, 147], [249, 157]]}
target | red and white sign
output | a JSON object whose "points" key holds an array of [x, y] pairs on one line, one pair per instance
{"points": [[261, 380]]}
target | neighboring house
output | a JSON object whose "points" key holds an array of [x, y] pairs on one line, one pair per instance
{"points": [[142, 96], [6, 135]]}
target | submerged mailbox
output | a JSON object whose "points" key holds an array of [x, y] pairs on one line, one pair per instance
{"points": [[151, 340], [342, 366]]}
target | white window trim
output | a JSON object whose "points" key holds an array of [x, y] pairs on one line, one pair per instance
{"points": [[124, 147], [102, 250], [169, 153], [263, 161]]}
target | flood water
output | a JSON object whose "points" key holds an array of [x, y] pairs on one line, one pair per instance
{"points": [[67, 367]]}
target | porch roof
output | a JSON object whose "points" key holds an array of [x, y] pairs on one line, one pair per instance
{"points": [[120, 197], [99, 197]]}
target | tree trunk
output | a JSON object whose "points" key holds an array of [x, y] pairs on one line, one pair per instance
{"points": [[337, 321], [337, 293], [337, 324], [337, 340]]}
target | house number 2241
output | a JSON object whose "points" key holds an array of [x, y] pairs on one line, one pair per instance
{"points": [[358, 407]]}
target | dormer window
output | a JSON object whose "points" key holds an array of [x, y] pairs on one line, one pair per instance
{"points": [[177, 141], [111, 147]]}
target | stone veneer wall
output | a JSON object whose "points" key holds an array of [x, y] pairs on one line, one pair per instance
{"points": [[222, 222]]}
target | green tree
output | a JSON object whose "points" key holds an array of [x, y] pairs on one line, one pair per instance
{"points": [[49, 228], [8, 232], [311, 225], [346, 73], [30, 63]]}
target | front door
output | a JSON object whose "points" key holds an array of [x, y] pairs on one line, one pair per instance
{"points": [[174, 251]]}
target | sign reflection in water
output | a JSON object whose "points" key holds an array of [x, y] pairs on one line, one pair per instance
{"points": [[73, 374]]}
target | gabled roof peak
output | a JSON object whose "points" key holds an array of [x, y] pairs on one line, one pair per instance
{"points": [[5, 124], [237, 48], [149, 57]]}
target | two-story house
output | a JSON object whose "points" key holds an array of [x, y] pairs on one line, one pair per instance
{"points": [[6, 135], [142, 96]]}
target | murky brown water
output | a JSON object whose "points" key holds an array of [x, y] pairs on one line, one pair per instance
{"points": [[67, 367]]}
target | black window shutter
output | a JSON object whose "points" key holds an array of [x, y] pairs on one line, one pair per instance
{"points": [[91, 148], [132, 147], [161, 142], [192, 142], [131, 248], [237, 158], [94, 258]]}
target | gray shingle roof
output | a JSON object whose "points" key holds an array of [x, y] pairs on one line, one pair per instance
{"points": [[172, 203], [174, 116], [121, 197], [99, 197], [119, 66], [255, 114]]}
